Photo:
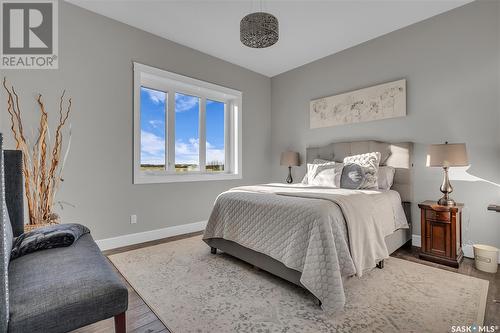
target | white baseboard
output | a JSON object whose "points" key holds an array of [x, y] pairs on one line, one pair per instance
{"points": [[151, 235], [467, 249], [416, 240]]}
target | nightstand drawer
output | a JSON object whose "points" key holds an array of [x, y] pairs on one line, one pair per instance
{"points": [[436, 215]]}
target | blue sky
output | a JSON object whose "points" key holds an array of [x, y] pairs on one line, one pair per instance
{"points": [[186, 128]]}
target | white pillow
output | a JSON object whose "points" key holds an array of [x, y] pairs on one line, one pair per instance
{"points": [[326, 174], [315, 161], [368, 164], [385, 177]]}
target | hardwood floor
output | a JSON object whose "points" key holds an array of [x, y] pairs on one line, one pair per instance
{"points": [[140, 318]]}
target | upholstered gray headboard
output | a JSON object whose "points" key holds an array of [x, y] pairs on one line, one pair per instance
{"points": [[398, 155]]}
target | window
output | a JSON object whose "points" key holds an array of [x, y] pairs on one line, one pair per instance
{"points": [[184, 129]]}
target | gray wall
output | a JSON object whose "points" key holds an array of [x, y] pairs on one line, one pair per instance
{"points": [[95, 68], [451, 63]]}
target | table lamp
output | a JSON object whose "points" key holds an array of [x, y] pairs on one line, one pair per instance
{"points": [[289, 158], [445, 156]]}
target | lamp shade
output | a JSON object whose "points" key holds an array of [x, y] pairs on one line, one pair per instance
{"points": [[447, 155], [289, 158]]}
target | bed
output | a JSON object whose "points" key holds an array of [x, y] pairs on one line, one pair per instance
{"points": [[317, 237]]}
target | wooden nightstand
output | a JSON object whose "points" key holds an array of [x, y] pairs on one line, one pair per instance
{"points": [[441, 233]]}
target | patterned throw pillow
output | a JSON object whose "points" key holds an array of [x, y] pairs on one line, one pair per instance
{"points": [[361, 171], [321, 161]]}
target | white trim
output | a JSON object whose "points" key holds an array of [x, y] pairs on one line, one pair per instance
{"points": [[169, 140], [186, 177], [151, 235], [137, 126], [202, 135], [199, 85], [467, 249], [416, 240]]}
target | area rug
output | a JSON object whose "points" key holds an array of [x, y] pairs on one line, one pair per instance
{"points": [[191, 290]]}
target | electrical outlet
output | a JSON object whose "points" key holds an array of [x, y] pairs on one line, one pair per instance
{"points": [[133, 219]]}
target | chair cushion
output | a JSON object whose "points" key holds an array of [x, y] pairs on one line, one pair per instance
{"points": [[58, 290]]}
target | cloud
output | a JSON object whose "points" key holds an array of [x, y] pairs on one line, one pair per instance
{"points": [[188, 152], [157, 97], [182, 102], [156, 123], [185, 102], [215, 155], [152, 148]]}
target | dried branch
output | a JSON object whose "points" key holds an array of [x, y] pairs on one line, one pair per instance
{"points": [[41, 181], [10, 110]]}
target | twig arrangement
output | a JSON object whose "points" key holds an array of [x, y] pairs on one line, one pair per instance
{"points": [[42, 164]]}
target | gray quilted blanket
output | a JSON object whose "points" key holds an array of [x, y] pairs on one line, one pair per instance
{"points": [[326, 234]]}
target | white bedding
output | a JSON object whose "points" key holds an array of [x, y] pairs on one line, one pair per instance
{"points": [[324, 233]]}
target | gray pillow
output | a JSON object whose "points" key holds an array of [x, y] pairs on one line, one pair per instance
{"points": [[353, 176], [385, 177], [369, 163]]}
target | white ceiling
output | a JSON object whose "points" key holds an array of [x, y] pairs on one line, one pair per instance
{"points": [[309, 30]]}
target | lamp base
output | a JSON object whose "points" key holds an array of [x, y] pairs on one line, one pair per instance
{"points": [[446, 189], [289, 179], [446, 201]]}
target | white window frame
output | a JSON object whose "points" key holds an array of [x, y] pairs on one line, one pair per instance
{"points": [[171, 83]]}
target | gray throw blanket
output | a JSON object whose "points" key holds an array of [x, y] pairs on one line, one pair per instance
{"points": [[58, 235]]}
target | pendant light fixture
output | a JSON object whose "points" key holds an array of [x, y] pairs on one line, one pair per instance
{"points": [[259, 30]]}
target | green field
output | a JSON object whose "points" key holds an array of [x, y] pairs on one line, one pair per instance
{"points": [[182, 167]]}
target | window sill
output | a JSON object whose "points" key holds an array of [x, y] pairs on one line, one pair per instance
{"points": [[179, 178]]}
